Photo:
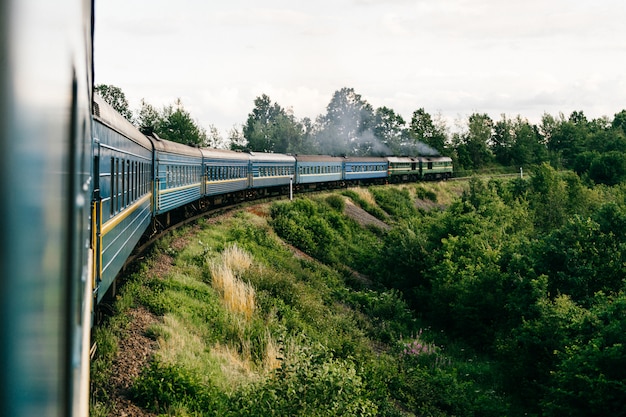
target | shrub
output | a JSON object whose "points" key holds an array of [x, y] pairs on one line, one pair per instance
{"points": [[337, 202], [161, 386], [424, 194]]}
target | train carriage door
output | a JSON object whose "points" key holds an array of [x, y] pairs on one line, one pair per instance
{"points": [[96, 217]]}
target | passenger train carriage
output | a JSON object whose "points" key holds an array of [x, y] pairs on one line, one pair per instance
{"points": [[270, 170], [365, 170], [81, 186], [45, 189], [226, 173], [177, 174], [315, 169], [123, 171]]}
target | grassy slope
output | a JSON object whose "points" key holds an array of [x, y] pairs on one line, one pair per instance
{"points": [[246, 325]]}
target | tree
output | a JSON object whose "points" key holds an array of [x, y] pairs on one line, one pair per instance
{"points": [[215, 139], [389, 129], [116, 98], [503, 140], [347, 125], [472, 146], [527, 147], [270, 128], [423, 130], [177, 125], [589, 377], [237, 141], [567, 137], [148, 118]]}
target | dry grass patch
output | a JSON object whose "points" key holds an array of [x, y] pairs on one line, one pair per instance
{"points": [[237, 295], [365, 195], [236, 259]]}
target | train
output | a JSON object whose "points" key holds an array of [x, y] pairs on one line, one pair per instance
{"points": [[81, 186], [144, 182]]}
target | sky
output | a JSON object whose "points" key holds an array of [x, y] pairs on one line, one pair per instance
{"points": [[450, 57]]}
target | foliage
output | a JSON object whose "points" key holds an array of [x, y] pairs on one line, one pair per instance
{"points": [[310, 382], [525, 312], [270, 128], [116, 98], [347, 126], [176, 124], [160, 386], [429, 135], [395, 202]]}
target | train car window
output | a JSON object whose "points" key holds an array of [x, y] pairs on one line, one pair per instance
{"points": [[113, 181], [137, 180], [128, 183], [141, 178], [122, 183], [118, 193]]}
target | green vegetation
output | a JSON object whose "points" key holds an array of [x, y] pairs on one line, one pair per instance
{"points": [[508, 301]]}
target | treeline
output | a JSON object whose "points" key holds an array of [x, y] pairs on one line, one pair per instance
{"points": [[594, 149]]}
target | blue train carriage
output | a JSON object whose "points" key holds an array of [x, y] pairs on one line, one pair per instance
{"points": [[315, 171], [122, 191], [435, 167], [45, 184], [365, 170], [271, 173], [403, 169], [226, 175], [178, 175]]}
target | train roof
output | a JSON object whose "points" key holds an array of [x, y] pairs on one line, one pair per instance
{"points": [[434, 158], [365, 159], [401, 159], [107, 115], [271, 157], [163, 145], [224, 154], [318, 158]]}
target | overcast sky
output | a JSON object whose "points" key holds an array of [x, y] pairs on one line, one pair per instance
{"points": [[454, 57]]}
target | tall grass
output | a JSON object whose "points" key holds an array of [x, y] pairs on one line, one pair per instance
{"points": [[236, 259], [365, 195], [238, 296]]}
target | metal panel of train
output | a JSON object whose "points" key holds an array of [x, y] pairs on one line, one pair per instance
{"points": [[312, 169], [403, 168], [435, 167], [45, 184], [271, 169], [123, 187], [177, 173], [225, 172], [364, 168]]}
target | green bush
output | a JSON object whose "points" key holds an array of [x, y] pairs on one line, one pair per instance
{"points": [[424, 194], [394, 201], [337, 202], [161, 386], [310, 382]]}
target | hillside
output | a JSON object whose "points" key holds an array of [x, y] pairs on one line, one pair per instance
{"points": [[351, 331], [425, 299]]}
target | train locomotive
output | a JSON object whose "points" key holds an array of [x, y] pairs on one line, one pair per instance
{"points": [[81, 186]]}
